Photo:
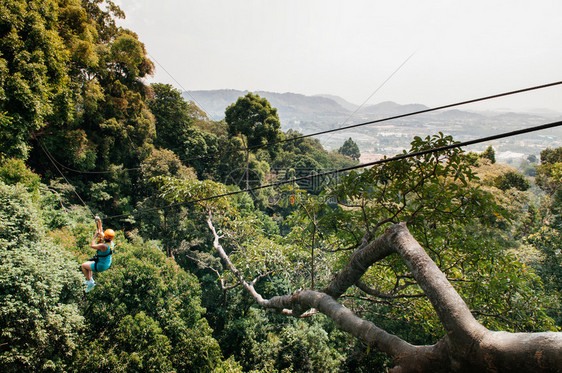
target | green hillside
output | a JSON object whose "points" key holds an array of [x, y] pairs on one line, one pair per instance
{"points": [[225, 227]]}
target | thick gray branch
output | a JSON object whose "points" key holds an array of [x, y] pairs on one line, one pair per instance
{"points": [[365, 256], [467, 347], [450, 307]]}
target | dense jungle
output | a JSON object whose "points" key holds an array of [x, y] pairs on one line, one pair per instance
{"points": [[241, 247]]}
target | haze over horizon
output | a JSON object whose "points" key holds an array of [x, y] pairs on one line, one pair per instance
{"points": [[457, 51]]}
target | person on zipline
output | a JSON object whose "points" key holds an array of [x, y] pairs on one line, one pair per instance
{"points": [[103, 243]]}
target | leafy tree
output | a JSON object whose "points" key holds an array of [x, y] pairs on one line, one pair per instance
{"points": [[350, 149], [549, 172], [174, 117], [40, 290], [437, 194], [549, 266], [512, 179], [549, 179], [34, 86], [265, 344], [489, 154], [156, 218], [253, 117], [14, 171]]}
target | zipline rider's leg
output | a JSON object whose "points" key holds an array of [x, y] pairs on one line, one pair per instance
{"points": [[86, 269]]}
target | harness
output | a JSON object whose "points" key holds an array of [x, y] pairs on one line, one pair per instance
{"points": [[97, 257]]}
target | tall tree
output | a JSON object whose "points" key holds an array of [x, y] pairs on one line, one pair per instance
{"points": [[489, 154], [549, 179], [350, 149], [35, 88], [455, 219], [253, 117], [40, 321]]}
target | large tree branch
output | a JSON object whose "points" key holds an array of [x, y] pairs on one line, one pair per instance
{"points": [[450, 307], [467, 347], [301, 301], [392, 294], [249, 287], [366, 255]]}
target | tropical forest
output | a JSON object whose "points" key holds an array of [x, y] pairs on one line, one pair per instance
{"points": [[240, 247]]}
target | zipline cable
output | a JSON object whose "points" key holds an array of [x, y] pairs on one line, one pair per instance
{"points": [[194, 100], [50, 157], [96, 172], [364, 165], [504, 94], [413, 113]]}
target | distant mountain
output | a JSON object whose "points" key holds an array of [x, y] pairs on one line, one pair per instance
{"points": [[310, 114], [291, 107], [390, 109], [343, 103]]}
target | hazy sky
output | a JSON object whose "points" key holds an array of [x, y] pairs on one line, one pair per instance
{"points": [[461, 49]]}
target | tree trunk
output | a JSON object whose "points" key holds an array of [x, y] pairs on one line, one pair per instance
{"points": [[467, 347]]}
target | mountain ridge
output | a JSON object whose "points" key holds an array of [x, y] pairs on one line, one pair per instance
{"points": [[311, 114]]}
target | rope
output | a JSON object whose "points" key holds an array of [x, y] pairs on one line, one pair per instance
{"points": [[346, 127], [504, 94], [50, 157], [364, 165]]}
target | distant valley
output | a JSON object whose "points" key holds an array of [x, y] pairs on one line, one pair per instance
{"points": [[309, 114]]}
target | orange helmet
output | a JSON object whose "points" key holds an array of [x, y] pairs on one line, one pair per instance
{"points": [[109, 234]]}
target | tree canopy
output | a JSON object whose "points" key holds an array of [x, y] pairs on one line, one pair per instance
{"points": [[253, 117], [449, 261], [350, 149]]}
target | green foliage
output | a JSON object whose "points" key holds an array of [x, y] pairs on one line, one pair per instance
{"points": [[174, 116], [34, 86], [185, 191], [253, 117], [145, 314], [350, 149], [549, 173], [549, 179], [489, 154], [551, 156], [40, 290], [549, 267], [267, 345], [428, 190], [14, 171], [164, 163], [472, 158], [158, 220], [308, 150], [19, 219], [128, 57], [512, 179]]}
